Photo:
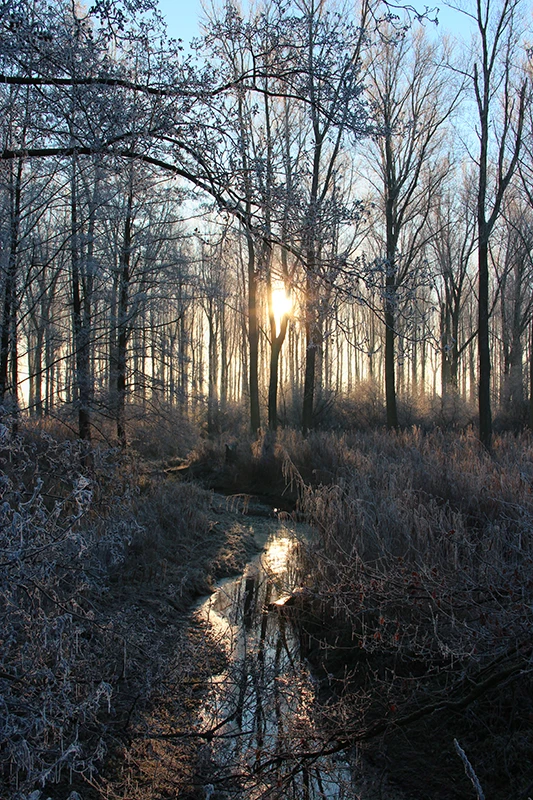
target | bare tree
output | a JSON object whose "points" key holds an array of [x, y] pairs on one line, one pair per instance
{"points": [[412, 100], [526, 180], [500, 104], [453, 241], [514, 273]]}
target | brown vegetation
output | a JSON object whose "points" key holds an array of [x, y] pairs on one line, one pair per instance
{"points": [[421, 587], [423, 571], [416, 615]]}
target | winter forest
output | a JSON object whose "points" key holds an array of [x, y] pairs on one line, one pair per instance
{"points": [[319, 205], [289, 264]]}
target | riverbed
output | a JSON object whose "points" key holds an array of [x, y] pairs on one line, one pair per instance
{"points": [[261, 706], [235, 711]]}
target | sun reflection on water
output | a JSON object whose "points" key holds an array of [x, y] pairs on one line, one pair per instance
{"points": [[277, 552], [262, 702]]}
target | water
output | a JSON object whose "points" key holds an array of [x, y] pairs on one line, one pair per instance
{"points": [[263, 705]]}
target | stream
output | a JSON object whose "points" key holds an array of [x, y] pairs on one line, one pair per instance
{"points": [[262, 705]]}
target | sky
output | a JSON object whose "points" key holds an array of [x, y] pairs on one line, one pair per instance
{"points": [[183, 18]]}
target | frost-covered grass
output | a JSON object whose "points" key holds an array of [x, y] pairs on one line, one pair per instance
{"points": [[424, 573], [65, 521], [97, 563]]}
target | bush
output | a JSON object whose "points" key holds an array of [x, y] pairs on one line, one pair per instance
{"points": [[161, 435]]}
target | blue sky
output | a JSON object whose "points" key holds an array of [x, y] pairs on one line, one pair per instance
{"points": [[183, 18]]}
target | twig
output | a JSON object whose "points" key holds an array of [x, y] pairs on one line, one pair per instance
{"points": [[469, 769]]}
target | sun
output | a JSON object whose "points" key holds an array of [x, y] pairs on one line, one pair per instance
{"points": [[281, 305]]}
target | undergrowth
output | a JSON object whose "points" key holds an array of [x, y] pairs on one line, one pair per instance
{"points": [[417, 614], [421, 615], [98, 564]]}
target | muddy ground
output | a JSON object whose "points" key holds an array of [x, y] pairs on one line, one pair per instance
{"points": [[152, 749]]}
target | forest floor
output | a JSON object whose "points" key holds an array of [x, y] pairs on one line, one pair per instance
{"points": [[156, 754], [430, 485]]}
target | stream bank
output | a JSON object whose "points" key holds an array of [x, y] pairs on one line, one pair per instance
{"points": [[263, 705], [231, 701], [201, 538], [413, 534]]}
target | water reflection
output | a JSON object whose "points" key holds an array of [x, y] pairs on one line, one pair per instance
{"points": [[276, 558], [262, 705]]}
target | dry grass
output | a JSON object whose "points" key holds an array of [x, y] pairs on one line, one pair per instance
{"points": [[99, 565], [164, 433], [421, 578], [423, 572], [184, 540]]}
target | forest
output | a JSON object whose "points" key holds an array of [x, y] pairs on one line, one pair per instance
{"points": [[284, 271]]}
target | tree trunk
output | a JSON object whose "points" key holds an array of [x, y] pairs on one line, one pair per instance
{"points": [[390, 286], [485, 414], [275, 351], [390, 387], [531, 378], [454, 351], [212, 344], [8, 343], [81, 334], [277, 339], [224, 360], [311, 346], [122, 319], [253, 337], [183, 394], [446, 367]]}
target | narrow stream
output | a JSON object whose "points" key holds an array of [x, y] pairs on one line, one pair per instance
{"points": [[263, 703]]}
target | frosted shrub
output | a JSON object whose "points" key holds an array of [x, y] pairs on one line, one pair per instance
{"points": [[57, 665]]}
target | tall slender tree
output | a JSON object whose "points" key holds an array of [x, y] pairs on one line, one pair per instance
{"points": [[412, 100], [500, 97]]}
